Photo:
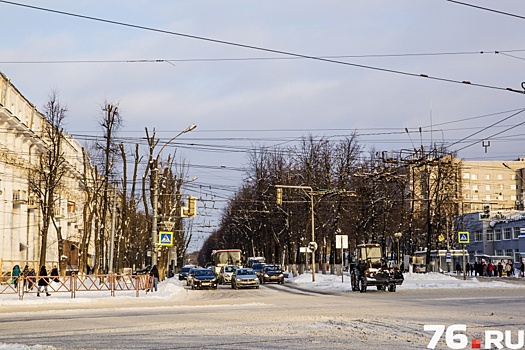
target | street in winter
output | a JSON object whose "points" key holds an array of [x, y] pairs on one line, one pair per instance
{"points": [[299, 314]]}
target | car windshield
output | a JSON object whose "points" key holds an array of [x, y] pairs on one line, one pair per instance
{"points": [[257, 266], [272, 268], [186, 269], [244, 272], [204, 273], [229, 269]]}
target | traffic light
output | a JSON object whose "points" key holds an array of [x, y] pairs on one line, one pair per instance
{"points": [[279, 196], [486, 212], [192, 206]]}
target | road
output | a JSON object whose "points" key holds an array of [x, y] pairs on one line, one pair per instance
{"points": [[272, 317]]}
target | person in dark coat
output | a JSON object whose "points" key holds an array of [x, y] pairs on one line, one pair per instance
{"points": [[43, 281], [155, 273], [31, 278], [54, 274], [14, 275]]}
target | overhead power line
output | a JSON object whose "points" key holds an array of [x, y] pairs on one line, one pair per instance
{"points": [[258, 48], [226, 59], [487, 9]]}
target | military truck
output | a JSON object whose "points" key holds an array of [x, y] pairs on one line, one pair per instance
{"points": [[371, 268]]}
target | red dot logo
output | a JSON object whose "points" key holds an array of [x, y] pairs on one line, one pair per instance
{"points": [[476, 343]]}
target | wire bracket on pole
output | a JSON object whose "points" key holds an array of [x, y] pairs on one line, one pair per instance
{"points": [[486, 145]]}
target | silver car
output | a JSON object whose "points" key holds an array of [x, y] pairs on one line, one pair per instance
{"points": [[244, 278]]}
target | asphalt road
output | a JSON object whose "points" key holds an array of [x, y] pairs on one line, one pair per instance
{"points": [[272, 317]]}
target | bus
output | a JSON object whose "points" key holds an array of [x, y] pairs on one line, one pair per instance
{"points": [[222, 257]]}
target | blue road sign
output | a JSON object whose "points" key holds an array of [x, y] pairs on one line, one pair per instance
{"points": [[166, 238], [463, 237]]}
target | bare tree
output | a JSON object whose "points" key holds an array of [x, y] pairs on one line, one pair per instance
{"points": [[46, 180]]}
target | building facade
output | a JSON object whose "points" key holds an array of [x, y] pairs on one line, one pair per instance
{"points": [[21, 143]]}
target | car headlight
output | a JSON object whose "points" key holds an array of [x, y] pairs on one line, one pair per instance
{"points": [[281, 275], [266, 275]]}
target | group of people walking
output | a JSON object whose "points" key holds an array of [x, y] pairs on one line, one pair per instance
{"points": [[31, 280], [493, 269]]}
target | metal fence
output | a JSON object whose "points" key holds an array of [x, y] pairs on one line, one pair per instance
{"points": [[76, 284]]}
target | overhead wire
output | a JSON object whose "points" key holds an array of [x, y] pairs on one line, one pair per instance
{"points": [[259, 48]]}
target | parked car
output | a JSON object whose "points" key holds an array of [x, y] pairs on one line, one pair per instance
{"points": [[203, 278], [183, 274], [419, 268], [272, 273], [225, 275], [143, 271], [190, 275], [244, 277]]}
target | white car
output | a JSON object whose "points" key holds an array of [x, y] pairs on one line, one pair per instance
{"points": [[225, 275]]}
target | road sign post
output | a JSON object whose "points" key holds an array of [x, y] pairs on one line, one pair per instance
{"points": [[463, 239]]}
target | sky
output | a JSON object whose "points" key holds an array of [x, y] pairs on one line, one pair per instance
{"points": [[171, 287], [244, 73]]}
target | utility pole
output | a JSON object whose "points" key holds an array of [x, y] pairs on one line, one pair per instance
{"points": [[113, 219]]}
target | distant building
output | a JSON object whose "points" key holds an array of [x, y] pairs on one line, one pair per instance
{"points": [[501, 236], [498, 184]]}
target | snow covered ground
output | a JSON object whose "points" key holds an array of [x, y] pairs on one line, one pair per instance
{"points": [[325, 283]]}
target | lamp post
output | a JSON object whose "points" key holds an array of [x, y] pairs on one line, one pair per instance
{"points": [[518, 173], [398, 236], [310, 193], [155, 174]]}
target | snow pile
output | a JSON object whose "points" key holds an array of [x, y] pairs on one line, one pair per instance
{"points": [[412, 281]]}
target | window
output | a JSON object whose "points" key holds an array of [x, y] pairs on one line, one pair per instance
{"points": [[512, 197], [506, 233], [497, 234], [487, 187], [478, 236], [487, 177], [501, 187], [475, 197], [516, 255], [487, 197], [498, 252], [466, 186], [490, 235], [513, 187], [466, 175], [500, 177], [500, 197], [508, 252], [516, 232], [474, 177], [474, 187], [513, 177]]}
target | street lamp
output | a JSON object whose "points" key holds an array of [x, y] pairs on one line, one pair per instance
{"points": [[310, 193], [398, 236], [155, 174], [518, 173]]}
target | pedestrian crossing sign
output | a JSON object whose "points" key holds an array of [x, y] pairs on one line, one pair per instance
{"points": [[166, 238], [463, 237]]}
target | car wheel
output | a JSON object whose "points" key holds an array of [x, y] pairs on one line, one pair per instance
{"points": [[392, 287], [257, 287]]}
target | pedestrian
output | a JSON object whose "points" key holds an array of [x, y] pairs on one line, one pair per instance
{"points": [[500, 268], [31, 278], [15, 275], [490, 267], [508, 268], [458, 269], [43, 281], [154, 272], [522, 267], [467, 269], [54, 274]]}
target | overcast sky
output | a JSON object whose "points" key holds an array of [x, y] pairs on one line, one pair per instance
{"points": [[240, 96]]}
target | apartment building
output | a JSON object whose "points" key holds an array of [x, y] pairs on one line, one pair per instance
{"points": [[21, 143], [496, 184]]}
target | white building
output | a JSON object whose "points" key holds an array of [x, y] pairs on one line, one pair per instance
{"points": [[21, 142]]}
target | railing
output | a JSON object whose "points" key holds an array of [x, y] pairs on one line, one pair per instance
{"points": [[77, 283]]}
